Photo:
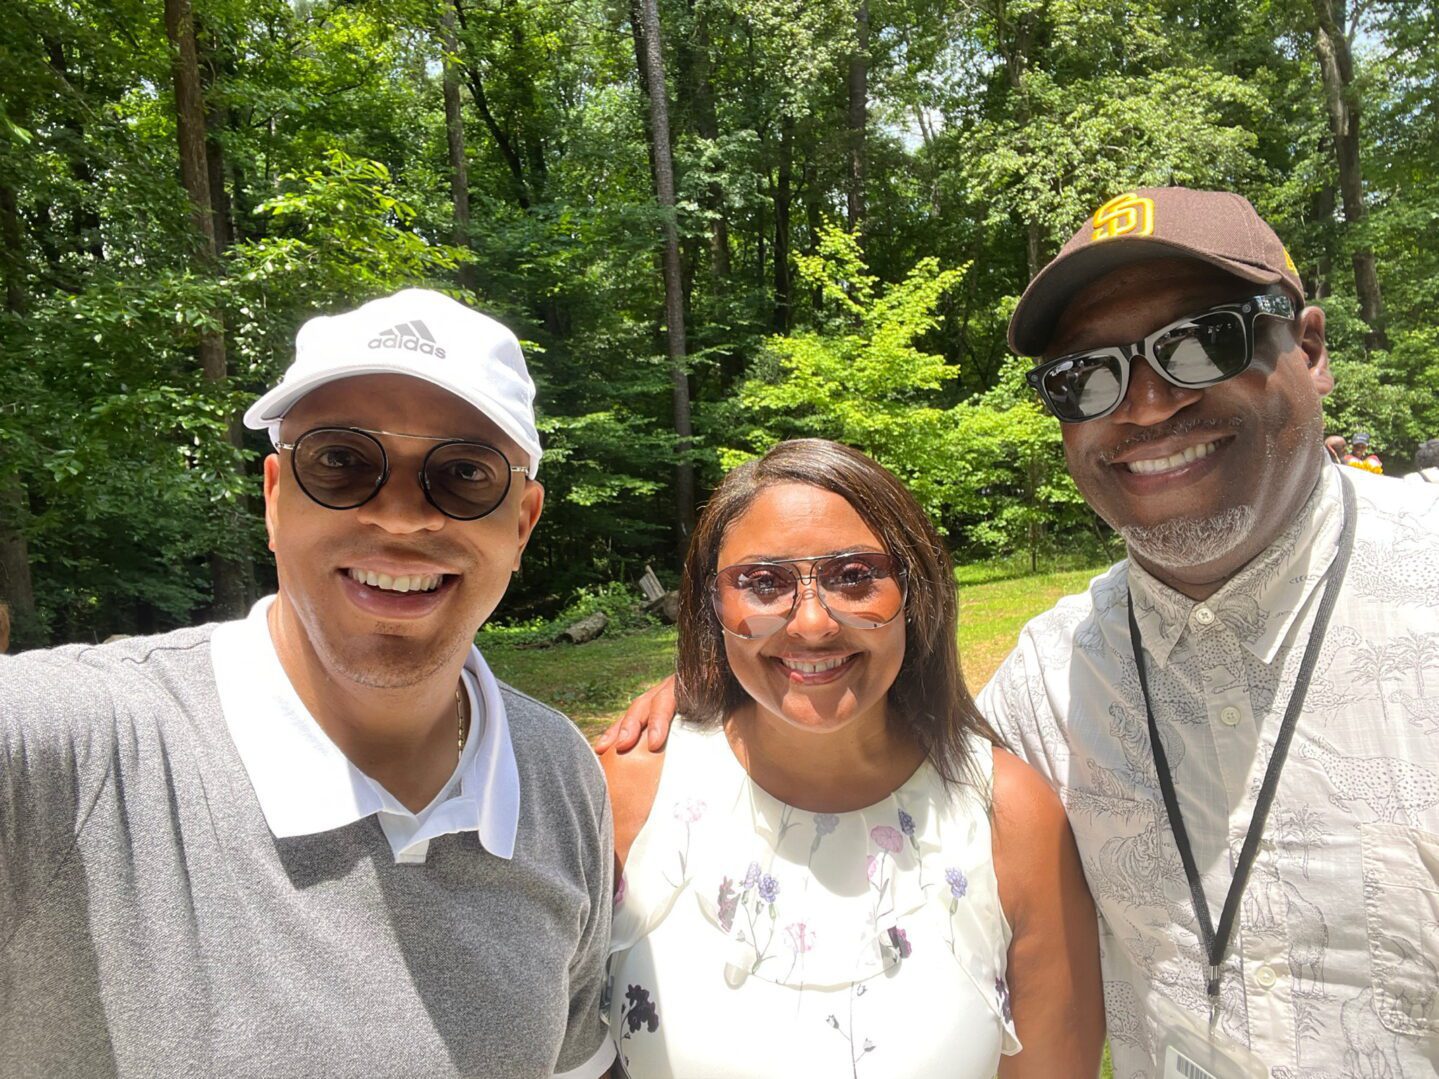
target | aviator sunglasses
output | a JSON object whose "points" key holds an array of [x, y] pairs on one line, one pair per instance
{"points": [[1193, 352], [863, 589], [342, 468]]}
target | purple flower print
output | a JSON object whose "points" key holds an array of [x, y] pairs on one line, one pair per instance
{"points": [[621, 886], [689, 810], [958, 882], [751, 877], [906, 824], [801, 936], [768, 888], [1001, 989], [886, 838], [871, 863], [825, 823], [899, 941], [640, 1011], [728, 902]]}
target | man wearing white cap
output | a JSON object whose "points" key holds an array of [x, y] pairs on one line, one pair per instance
{"points": [[323, 839]]}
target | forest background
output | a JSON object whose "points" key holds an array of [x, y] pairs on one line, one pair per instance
{"points": [[714, 223]]}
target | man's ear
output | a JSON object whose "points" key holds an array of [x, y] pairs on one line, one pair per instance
{"points": [[532, 502], [1310, 332], [272, 482]]}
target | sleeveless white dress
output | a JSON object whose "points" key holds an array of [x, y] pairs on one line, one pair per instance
{"points": [[752, 938]]}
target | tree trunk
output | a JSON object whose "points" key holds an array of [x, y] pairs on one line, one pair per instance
{"points": [[1341, 96], [653, 69], [17, 588], [695, 70], [783, 198], [858, 116], [229, 577], [455, 136]]}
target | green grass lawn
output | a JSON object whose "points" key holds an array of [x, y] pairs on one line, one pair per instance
{"points": [[592, 683]]}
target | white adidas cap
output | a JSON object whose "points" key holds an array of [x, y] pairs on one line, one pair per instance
{"points": [[423, 334]]}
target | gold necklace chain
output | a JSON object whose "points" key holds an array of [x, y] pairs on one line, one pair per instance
{"points": [[459, 722]]}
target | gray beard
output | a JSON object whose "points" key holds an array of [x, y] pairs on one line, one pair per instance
{"points": [[1192, 541]]}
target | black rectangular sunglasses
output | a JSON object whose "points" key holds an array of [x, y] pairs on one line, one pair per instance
{"points": [[1194, 352]]}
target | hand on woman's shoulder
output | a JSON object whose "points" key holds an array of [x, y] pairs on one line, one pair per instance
{"points": [[633, 778]]}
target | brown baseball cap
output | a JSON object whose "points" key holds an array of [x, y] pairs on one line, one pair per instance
{"points": [[1218, 227]]}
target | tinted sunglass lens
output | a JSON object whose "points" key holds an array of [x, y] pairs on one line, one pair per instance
{"points": [[1083, 386], [1209, 349], [467, 479], [862, 590], [337, 468], [754, 600]]}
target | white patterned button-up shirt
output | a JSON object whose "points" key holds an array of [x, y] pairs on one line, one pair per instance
{"points": [[1333, 967]]}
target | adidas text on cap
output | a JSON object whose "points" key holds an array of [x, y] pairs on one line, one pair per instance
{"points": [[1217, 227], [419, 333]]}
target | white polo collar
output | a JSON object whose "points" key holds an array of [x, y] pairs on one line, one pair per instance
{"points": [[305, 785]]}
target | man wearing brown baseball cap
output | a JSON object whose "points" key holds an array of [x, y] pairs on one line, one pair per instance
{"points": [[1255, 800], [1228, 714]]}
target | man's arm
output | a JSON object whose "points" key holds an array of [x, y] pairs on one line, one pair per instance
{"points": [[56, 731]]}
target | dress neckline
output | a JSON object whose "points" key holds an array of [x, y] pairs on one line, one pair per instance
{"points": [[923, 775]]}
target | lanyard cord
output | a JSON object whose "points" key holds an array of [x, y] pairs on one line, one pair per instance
{"points": [[1216, 944]]}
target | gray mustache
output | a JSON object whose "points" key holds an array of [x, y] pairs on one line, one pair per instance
{"points": [[1169, 430]]}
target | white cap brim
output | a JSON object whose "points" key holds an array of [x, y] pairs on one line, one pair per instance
{"points": [[270, 410]]}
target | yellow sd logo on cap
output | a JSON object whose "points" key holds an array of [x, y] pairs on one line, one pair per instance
{"points": [[1124, 215]]}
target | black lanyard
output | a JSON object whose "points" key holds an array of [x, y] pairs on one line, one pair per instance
{"points": [[1216, 944]]}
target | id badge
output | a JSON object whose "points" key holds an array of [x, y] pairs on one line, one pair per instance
{"points": [[1189, 1050]]}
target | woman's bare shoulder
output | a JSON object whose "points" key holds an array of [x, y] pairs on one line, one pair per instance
{"points": [[634, 779]]}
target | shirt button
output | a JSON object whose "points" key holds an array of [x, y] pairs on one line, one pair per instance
{"points": [[1265, 976], [1230, 717], [1204, 616]]}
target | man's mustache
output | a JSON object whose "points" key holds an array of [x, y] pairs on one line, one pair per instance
{"points": [[1169, 430]]}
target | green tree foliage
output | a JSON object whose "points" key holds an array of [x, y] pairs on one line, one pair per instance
{"points": [[990, 130]]}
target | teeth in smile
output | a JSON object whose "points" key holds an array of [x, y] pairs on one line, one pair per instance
{"points": [[417, 582], [813, 668], [1164, 464]]}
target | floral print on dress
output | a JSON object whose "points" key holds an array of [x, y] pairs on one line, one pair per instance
{"points": [[638, 1013], [886, 838], [756, 899], [726, 903], [850, 911], [1001, 991]]}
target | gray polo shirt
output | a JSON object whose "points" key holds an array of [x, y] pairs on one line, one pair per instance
{"points": [[151, 923]]}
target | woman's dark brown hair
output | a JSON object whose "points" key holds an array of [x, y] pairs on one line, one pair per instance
{"points": [[928, 695]]}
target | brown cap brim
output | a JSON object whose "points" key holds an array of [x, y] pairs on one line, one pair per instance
{"points": [[1032, 324]]}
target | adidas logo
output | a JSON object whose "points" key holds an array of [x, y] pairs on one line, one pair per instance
{"points": [[409, 337]]}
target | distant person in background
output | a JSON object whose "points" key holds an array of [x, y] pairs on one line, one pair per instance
{"points": [[1361, 456], [1337, 447], [1426, 463]]}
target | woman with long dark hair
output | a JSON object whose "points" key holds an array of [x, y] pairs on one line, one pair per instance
{"points": [[832, 868]]}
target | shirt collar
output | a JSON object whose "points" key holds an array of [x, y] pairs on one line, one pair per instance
{"points": [[1260, 603], [303, 782]]}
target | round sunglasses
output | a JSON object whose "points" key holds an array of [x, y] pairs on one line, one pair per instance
{"points": [[342, 468], [1193, 352], [862, 589]]}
